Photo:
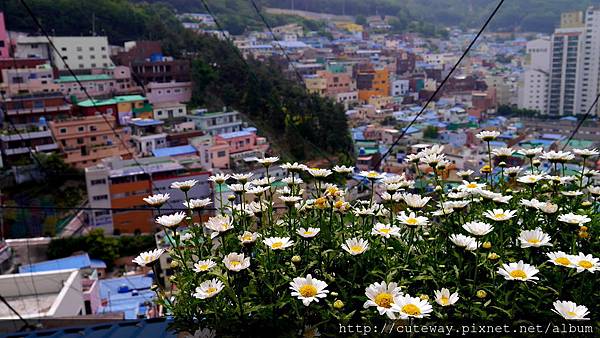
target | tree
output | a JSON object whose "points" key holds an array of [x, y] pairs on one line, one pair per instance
{"points": [[360, 20], [431, 132]]}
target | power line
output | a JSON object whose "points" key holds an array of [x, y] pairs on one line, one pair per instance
{"points": [[30, 207], [587, 114], [27, 325], [300, 78], [439, 88], [82, 88]]}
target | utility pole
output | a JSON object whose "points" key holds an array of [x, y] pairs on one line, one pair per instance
{"points": [[93, 24]]}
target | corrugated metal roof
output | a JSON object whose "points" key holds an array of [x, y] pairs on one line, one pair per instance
{"points": [[174, 151], [157, 327], [67, 263]]}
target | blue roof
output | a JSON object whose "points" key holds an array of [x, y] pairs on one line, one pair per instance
{"points": [[235, 134], [67, 263], [174, 151], [553, 136], [156, 327], [146, 122], [120, 295]]}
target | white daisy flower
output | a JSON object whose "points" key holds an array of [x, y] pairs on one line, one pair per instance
{"points": [[267, 161], [236, 262], [308, 289], [586, 152], [184, 185], [248, 237], [384, 230], [444, 298], [513, 171], [572, 218], [170, 221], [558, 156], [156, 200], [486, 135], [462, 241], [243, 177], [519, 271], [570, 311], [478, 228], [502, 152], [342, 169], [319, 173], [219, 224], [294, 167], [530, 179], [382, 296], [219, 178], [408, 306], [197, 203], [471, 187], [415, 201], [308, 232], [412, 220], [290, 200], [372, 175], [583, 262], [278, 243], [209, 289], [500, 215], [594, 190], [148, 257], [534, 238], [204, 265], [355, 246], [465, 173], [531, 152], [560, 258]]}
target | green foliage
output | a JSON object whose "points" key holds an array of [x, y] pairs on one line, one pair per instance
{"points": [[360, 20], [262, 92], [98, 246], [506, 110], [431, 132]]}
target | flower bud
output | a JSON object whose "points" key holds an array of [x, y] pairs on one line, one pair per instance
{"points": [[174, 264], [338, 304], [424, 297], [172, 279], [493, 256], [334, 294], [584, 234], [583, 228], [481, 294], [296, 259], [502, 164], [486, 245], [586, 204], [231, 198]]}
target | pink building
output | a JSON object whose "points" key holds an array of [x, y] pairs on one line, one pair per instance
{"points": [[4, 41], [103, 83], [337, 83], [169, 92], [39, 79], [213, 153], [243, 144]]}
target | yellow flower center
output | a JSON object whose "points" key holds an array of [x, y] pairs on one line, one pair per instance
{"points": [[384, 299], [472, 185], [412, 221], [372, 174], [356, 248], [308, 290], [320, 201], [203, 267], [411, 309], [385, 231], [235, 263], [277, 245], [571, 314], [585, 264], [444, 300], [518, 274], [500, 215], [339, 204], [532, 179], [308, 233], [563, 261], [534, 241], [247, 238], [211, 290]]}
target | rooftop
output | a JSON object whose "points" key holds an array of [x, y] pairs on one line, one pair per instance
{"points": [[235, 134], [74, 262], [126, 294], [83, 78], [114, 100], [174, 151]]}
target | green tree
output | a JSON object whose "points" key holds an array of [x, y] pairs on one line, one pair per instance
{"points": [[431, 132]]}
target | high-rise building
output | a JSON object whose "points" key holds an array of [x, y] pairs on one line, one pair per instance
{"points": [[533, 92], [575, 63]]}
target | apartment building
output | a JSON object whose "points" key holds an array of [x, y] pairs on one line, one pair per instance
{"points": [[31, 108], [84, 141], [243, 144], [163, 92], [121, 107], [16, 147], [214, 123], [372, 82], [113, 81], [533, 88], [79, 52], [38, 79], [117, 183]]}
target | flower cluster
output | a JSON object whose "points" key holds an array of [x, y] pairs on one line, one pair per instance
{"points": [[417, 244]]}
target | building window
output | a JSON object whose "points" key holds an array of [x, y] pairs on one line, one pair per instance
{"points": [[81, 129], [63, 130], [100, 197], [99, 181]]}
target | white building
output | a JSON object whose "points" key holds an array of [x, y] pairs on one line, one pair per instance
{"points": [[79, 52], [49, 294], [533, 88], [400, 87]]}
